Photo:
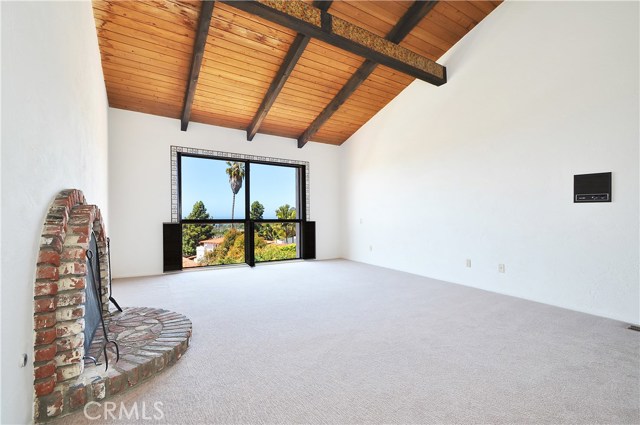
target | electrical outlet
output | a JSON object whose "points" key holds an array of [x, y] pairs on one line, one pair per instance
{"points": [[501, 268], [371, 248], [468, 262]]}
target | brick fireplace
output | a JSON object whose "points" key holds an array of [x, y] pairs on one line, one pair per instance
{"points": [[149, 339]]}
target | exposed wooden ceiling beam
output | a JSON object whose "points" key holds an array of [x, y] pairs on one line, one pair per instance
{"points": [[412, 17], [409, 20], [347, 90], [196, 60], [290, 60], [311, 21]]}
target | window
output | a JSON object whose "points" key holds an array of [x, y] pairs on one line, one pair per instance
{"points": [[237, 209], [205, 180]]}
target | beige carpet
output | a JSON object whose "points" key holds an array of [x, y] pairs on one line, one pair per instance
{"points": [[338, 342]]}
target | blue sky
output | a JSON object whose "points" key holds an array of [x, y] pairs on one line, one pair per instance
{"points": [[205, 180]]}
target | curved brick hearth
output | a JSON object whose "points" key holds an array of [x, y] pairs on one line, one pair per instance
{"points": [[149, 340]]}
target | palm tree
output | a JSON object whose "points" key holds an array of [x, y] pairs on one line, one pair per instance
{"points": [[235, 171], [270, 232], [285, 212]]}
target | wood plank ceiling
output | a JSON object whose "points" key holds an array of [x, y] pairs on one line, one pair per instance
{"points": [[147, 50]]}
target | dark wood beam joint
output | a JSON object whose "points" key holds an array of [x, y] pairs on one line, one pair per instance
{"points": [[196, 61], [411, 18], [322, 4], [290, 60], [326, 22], [288, 63], [300, 17], [347, 90]]}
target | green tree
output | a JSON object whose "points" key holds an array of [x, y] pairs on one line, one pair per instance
{"points": [[271, 232], [285, 212], [236, 252], [230, 251], [235, 171], [259, 243], [257, 210], [276, 252], [194, 233]]}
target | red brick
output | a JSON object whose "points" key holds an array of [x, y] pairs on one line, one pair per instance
{"points": [[51, 242], [70, 254], [130, 369], [70, 328], [116, 328], [164, 317], [69, 343], [54, 404], [69, 313], [65, 299], [53, 230], [66, 372], [44, 305], [77, 397], [69, 283], [49, 405], [45, 288], [57, 216], [63, 202], [57, 211], [46, 320], [116, 382], [54, 219], [80, 230], [49, 257], [45, 354], [75, 268], [45, 386], [158, 363], [44, 371], [68, 357], [99, 390], [146, 369], [47, 272], [83, 209], [79, 218], [46, 336]]}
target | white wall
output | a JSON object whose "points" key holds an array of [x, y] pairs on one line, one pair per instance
{"points": [[482, 167], [54, 136], [140, 185]]}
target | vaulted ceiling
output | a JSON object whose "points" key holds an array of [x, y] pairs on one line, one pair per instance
{"points": [[312, 71]]}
